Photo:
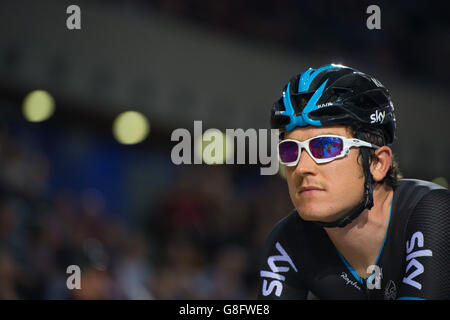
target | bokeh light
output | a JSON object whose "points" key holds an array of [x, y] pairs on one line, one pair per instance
{"points": [[131, 127], [212, 147], [441, 181], [282, 170], [38, 106]]}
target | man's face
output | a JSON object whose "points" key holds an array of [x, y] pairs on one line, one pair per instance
{"points": [[340, 182]]}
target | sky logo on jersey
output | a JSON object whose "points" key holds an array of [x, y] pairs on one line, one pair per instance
{"points": [[277, 279], [411, 257]]}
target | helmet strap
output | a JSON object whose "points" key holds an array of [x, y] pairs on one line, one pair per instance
{"points": [[367, 201]]}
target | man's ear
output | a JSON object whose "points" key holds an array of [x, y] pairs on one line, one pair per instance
{"points": [[380, 166]]}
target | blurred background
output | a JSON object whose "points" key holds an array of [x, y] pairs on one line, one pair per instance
{"points": [[74, 191]]}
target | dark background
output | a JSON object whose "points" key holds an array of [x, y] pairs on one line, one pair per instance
{"points": [[139, 226]]}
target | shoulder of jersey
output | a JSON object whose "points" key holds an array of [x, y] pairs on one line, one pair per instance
{"points": [[410, 191], [421, 184]]}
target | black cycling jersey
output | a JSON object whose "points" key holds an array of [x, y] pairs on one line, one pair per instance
{"points": [[301, 262]]}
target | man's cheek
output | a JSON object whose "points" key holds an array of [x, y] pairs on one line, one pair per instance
{"points": [[289, 180]]}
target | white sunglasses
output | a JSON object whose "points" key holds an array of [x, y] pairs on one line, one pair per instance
{"points": [[322, 149]]}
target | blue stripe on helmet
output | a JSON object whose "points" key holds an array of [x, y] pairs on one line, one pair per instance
{"points": [[304, 83], [312, 105], [308, 76], [305, 80], [294, 121]]}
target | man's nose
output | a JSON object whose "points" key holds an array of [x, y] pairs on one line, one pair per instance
{"points": [[306, 164]]}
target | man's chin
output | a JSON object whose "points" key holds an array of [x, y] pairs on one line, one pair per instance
{"points": [[317, 216]]}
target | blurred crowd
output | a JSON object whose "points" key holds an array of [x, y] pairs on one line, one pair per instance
{"points": [[408, 29], [201, 240]]}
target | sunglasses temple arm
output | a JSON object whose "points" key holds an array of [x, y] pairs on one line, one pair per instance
{"points": [[361, 143], [371, 145]]}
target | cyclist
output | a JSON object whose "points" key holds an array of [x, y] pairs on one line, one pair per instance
{"points": [[358, 230]]}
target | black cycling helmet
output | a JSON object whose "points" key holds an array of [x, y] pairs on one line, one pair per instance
{"points": [[336, 94]]}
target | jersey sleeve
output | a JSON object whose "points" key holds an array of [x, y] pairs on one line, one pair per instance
{"points": [[426, 273], [279, 276]]}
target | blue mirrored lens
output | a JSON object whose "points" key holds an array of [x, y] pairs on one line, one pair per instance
{"points": [[326, 147]]}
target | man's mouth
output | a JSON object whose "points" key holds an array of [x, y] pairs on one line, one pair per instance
{"points": [[309, 189]]}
